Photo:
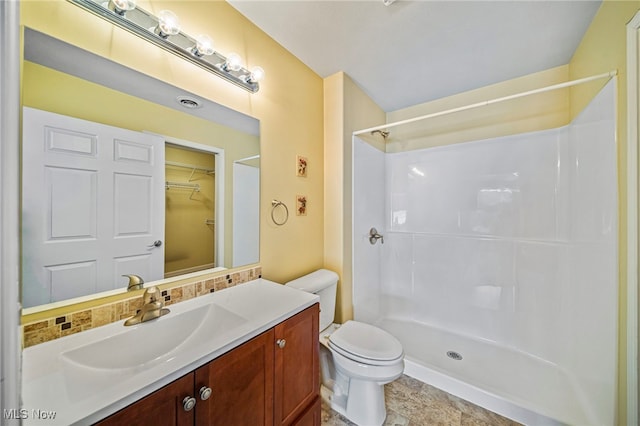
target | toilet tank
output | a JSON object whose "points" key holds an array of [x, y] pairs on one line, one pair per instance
{"points": [[323, 283]]}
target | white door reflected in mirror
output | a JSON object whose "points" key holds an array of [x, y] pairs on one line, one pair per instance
{"points": [[93, 200]]}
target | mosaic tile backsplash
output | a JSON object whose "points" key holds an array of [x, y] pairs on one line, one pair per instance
{"points": [[48, 329]]}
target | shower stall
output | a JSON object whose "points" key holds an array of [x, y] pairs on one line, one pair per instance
{"points": [[498, 271]]}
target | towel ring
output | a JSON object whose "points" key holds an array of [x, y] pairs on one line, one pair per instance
{"points": [[274, 204]]}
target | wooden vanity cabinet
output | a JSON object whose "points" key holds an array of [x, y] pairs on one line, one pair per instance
{"points": [[273, 379], [163, 407], [310, 416]]}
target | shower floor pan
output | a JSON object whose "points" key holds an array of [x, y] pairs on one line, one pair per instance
{"points": [[512, 383]]}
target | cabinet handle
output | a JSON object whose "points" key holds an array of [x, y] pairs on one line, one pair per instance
{"points": [[188, 403], [205, 393], [281, 343]]}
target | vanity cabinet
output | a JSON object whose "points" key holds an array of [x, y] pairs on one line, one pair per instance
{"points": [[273, 379], [163, 407]]}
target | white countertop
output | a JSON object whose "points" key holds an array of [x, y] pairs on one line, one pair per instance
{"points": [[83, 395]]}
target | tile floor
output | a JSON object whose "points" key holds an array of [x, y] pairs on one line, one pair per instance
{"points": [[413, 403]]}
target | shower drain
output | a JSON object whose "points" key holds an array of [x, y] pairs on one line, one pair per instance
{"points": [[454, 355]]}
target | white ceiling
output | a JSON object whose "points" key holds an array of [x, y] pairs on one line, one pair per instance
{"points": [[415, 51]]}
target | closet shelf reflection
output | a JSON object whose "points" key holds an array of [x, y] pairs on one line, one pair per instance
{"points": [[194, 187], [192, 167]]}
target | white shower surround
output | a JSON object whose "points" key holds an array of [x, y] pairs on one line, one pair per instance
{"points": [[504, 250]]}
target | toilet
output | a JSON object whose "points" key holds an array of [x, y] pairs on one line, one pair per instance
{"points": [[356, 359]]}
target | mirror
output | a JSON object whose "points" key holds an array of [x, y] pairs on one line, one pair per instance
{"points": [[184, 180]]}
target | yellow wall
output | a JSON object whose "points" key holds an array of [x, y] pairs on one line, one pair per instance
{"points": [[347, 109], [288, 105], [602, 49], [334, 170]]}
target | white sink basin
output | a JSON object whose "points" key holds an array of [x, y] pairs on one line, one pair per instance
{"points": [[153, 341]]}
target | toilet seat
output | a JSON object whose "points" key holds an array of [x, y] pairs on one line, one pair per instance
{"points": [[366, 344]]}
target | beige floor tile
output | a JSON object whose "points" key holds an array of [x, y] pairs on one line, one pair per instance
{"points": [[410, 402], [395, 419], [435, 416]]}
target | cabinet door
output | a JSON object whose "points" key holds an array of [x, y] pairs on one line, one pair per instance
{"points": [[242, 386], [162, 408], [297, 375], [312, 416]]}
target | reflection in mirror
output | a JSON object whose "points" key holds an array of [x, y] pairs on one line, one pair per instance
{"points": [[120, 178], [189, 203], [191, 239]]}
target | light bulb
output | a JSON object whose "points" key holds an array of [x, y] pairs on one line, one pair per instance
{"points": [[257, 74], [233, 63], [204, 46], [121, 7], [168, 24]]}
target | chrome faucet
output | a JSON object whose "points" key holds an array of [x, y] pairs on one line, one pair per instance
{"points": [[152, 307]]}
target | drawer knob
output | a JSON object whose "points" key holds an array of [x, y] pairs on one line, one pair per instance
{"points": [[188, 403], [205, 393], [281, 343]]}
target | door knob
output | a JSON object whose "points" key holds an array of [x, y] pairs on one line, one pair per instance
{"points": [[374, 236], [156, 243], [281, 343]]}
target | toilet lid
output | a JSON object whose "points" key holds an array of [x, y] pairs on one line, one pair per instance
{"points": [[366, 341]]}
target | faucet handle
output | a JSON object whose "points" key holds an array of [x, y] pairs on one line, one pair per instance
{"points": [[153, 295]]}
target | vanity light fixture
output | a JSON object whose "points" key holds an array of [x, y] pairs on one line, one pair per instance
{"points": [[256, 75], [121, 7], [203, 47], [233, 63], [168, 24], [164, 31]]}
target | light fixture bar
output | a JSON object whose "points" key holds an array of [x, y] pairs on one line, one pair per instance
{"points": [[142, 23]]}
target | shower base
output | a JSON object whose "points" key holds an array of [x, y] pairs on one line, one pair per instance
{"points": [[511, 383]]}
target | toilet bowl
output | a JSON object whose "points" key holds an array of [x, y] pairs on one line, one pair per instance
{"points": [[356, 359]]}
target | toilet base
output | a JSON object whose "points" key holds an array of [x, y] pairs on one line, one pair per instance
{"points": [[360, 401]]}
